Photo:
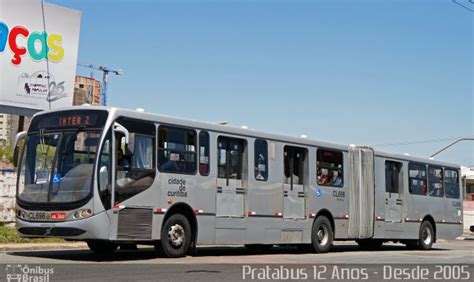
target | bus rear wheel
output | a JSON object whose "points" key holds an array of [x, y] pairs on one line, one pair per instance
{"points": [[102, 247], [426, 238], [175, 237], [321, 235]]}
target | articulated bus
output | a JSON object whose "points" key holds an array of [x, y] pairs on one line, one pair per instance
{"points": [[112, 177]]}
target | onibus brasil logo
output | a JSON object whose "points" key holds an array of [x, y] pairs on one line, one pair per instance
{"points": [[25, 273]]}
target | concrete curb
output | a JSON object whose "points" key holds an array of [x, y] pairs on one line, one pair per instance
{"points": [[466, 236], [41, 246]]}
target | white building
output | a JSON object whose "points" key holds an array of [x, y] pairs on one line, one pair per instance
{"points": [[467, 174]]}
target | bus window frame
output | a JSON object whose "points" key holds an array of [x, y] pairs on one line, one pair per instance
{"points": [[400, 185], [123, 120], [429, 180], [267, 172], [243, 166], [342, 167], [457, 182], [208, 147], [196, 151], [410, 190]]}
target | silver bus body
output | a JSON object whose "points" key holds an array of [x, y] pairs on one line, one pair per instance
{"points": [[244, 209]]}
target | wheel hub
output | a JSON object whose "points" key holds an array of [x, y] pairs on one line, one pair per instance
{"points": [[322, 235], [176, 235], [426, 237]]}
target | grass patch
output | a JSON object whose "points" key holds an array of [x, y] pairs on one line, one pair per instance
{"points": [[8, 235]]}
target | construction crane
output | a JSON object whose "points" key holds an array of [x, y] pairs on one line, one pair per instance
{"points": [[105, 78]]}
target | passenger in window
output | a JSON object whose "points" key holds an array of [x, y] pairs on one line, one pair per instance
{"points": [[171, 164], [323, 176], [436, 189], [336, 179], [203, 169]]}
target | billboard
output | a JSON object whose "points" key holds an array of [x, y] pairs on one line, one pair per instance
{"points": [[38, 56]]}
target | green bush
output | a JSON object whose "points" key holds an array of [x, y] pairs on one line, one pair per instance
{"points": [[6, 152], [9, 235]]}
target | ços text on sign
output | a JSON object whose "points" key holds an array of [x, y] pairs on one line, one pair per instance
{"points": [[49, 44]]}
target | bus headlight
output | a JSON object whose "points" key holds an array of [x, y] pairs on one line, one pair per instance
{"points": [[86, 213], [80, 214], [76, 215]]}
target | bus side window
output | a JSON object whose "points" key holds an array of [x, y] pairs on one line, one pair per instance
{"points": [[417, 179], [135, 161], [329, 165], [235, 160], [229, 155], [204, 153], [393, 179], [286, 164], [435, 181], [222, 158], [451, 183], [177, 150], [261, 160], [294, 165]]}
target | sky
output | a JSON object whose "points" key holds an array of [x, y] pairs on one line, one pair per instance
{"points": [[394, 74]]}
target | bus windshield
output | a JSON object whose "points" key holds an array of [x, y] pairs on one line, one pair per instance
{"points": [[57, 165]]}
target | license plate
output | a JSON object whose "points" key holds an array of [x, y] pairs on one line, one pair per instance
{"points": [[38, 216]]}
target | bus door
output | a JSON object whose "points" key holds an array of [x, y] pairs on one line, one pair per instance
{"points": [[393, 191], [230, 185], [295, 164]]}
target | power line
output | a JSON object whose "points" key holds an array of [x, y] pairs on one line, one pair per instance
{"points": [[427, 141]]}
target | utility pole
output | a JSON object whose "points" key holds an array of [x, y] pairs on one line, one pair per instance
{"points": [[105, 78]]}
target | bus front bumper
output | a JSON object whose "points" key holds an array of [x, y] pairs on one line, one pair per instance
{"points": [[91, 228]]}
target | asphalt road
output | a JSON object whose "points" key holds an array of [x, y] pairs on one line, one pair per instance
{"points": [[225, 263]]}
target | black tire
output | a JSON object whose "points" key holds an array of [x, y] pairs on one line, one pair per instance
{"points": [[370, 244], [175, 237], [258, 247], [426, 237], [102, 247], [321, 235]]}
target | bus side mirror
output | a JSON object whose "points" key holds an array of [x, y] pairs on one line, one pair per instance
{"points": [[18, 148], [104, 178], [121, 129]]}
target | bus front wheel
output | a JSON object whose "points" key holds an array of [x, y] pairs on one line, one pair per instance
{"points": [[321, 235], [175, 237], [102, 247]]}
